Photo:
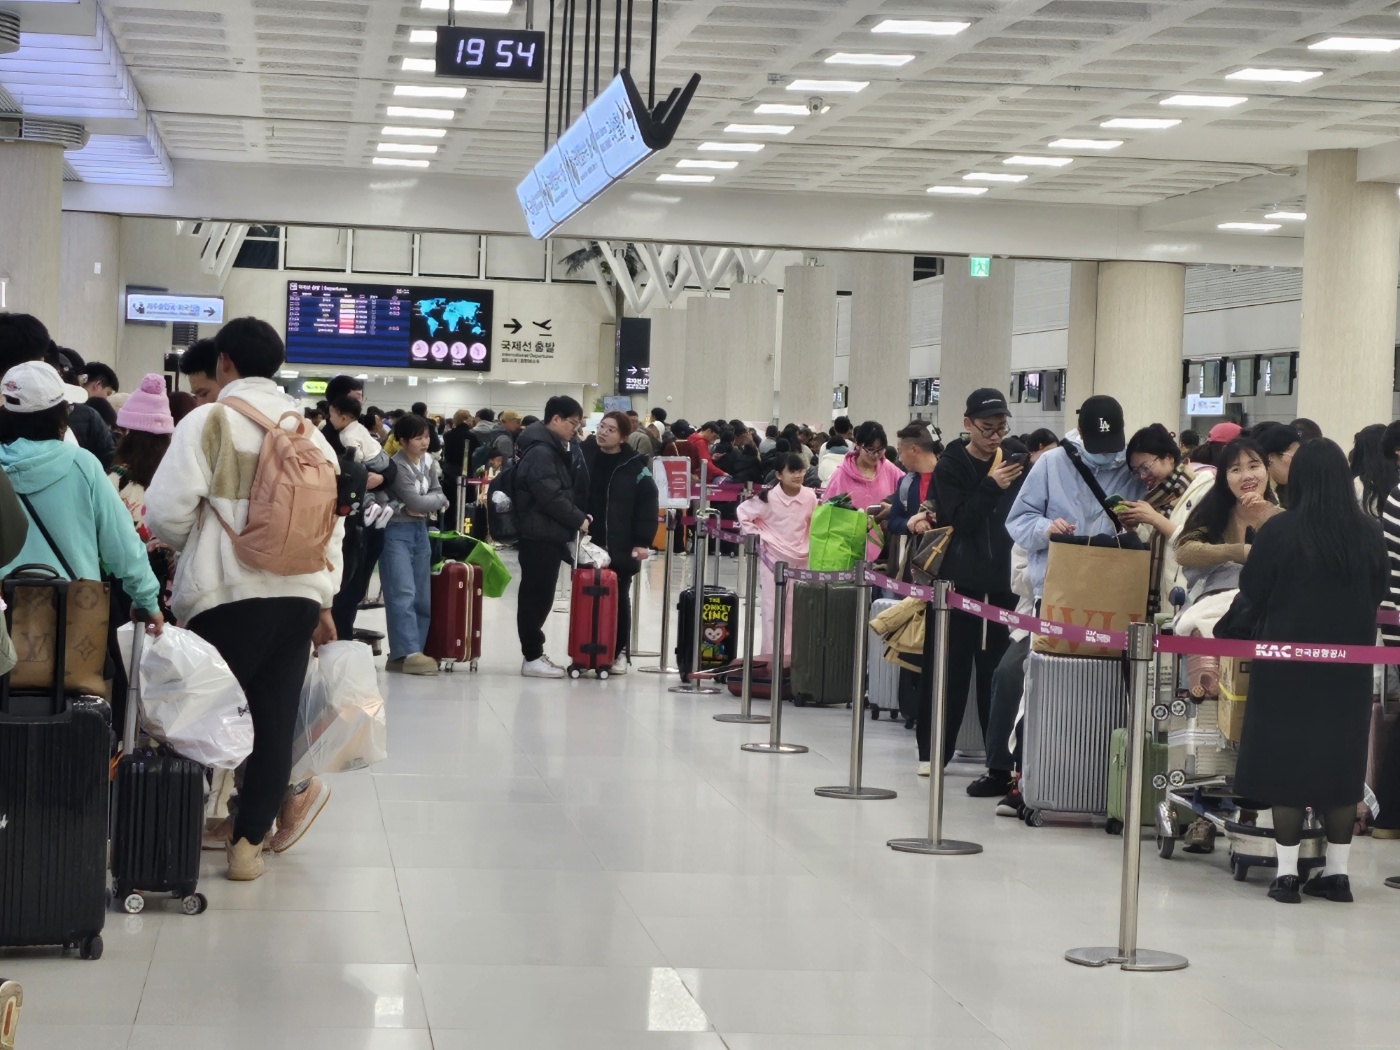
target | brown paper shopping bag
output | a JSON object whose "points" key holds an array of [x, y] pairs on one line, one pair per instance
{"points": [[1099, 587]]}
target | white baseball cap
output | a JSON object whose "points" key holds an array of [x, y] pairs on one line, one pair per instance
{"points": [[35, 386]]}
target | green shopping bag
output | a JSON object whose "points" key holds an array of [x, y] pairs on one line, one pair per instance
{"points": [[495, 577], [837, 538]]}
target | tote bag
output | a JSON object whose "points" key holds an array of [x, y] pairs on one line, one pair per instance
{"points": [[836, 538], [1097, 583]]}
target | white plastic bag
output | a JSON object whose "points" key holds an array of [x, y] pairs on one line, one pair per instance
{"points": [[592, 555], [190, 699], [341, 724]]}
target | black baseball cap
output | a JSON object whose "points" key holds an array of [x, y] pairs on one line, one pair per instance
{"points": [[986, 402], [1101, 425]]}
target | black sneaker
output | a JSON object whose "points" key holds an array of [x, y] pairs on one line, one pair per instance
{"points": [[1011, 805], [1284, 889], [990, 784], [1333, 887]]}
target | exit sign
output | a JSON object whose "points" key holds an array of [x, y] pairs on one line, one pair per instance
{"points": [[980, 265]]}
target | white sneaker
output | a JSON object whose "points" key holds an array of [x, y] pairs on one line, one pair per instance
{"points": [[541, 668], [620, 667], [925, 769]]}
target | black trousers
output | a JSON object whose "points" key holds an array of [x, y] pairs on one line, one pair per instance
{"points": [[266, 643], [969, 651], [624, 613], [361, 554], [539, 576]]}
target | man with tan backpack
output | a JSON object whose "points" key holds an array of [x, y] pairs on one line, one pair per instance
{"points": [[247, 493]]}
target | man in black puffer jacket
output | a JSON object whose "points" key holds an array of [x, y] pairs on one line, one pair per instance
{"points": [[550, 491]]}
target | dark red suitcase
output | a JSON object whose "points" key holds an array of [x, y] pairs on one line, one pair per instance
{"points": [[454, 631], [593, 622]]}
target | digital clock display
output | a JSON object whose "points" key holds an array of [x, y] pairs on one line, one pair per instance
{"points": [[491, 54]]}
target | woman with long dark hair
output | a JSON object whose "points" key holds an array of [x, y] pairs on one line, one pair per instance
{"points": [[1280, 444], [1373, 471], [1316, 574]]}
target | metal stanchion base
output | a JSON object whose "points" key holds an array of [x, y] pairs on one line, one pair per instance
{"points": [[1142, 959], [858, 794], [943, 848], [694, 689], [659, 670], [642, 654], [750, 720], [766, 748]]}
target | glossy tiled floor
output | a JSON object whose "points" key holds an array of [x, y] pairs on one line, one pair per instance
{"points": [[598, 866]]}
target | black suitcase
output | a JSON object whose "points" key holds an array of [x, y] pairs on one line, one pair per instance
{"points": [[158, 819], [719, 629]]}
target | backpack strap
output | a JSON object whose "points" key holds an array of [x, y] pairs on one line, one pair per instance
{"points": [[247, 411], [1084, 472]]}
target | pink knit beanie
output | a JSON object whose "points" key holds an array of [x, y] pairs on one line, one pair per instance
{"points": [[148, 408]]}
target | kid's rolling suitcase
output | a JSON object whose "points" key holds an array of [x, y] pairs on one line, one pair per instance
{"points": [[719, 629], [760, 682], [1154, 756], [592, 621], [882, 677], [158, 818], [454, 630], [823, 627]]}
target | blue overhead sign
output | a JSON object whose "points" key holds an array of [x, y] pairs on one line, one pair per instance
{"points": [[143, 306]]}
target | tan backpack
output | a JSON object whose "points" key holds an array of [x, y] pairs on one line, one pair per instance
{"points": [[291, 506]]}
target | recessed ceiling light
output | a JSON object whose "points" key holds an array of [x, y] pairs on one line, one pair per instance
{"points": [[406, 147], [716, 165], [848, 87], [854, 58], [759, 129], [959, 191], [685, 178], [1250, 227], [909, 216], [429, 91], [1086, 144], [1275, 76], [415, 133], [400, 162], [1205, 101], [1140, 123], [920, 27], [1288, 216], [421, 114], [994, 176], [517, 382], [1356, 43], [1039, 162], [422, 36], [730, 147], [420, 65], [783, 109]]}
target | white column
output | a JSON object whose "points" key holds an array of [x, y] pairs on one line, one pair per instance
{"points": [[667, 360], [882, 286], [976, 340], [749, 341], [704, 361], [1082, 338], [1350, 261], [31, 208], [806, 373], [1138, 332]]}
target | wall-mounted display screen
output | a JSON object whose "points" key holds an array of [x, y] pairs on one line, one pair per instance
{"points": [[384, 326], [1032, 389], [1212, 379], [1244, 376], [1278, 374]]}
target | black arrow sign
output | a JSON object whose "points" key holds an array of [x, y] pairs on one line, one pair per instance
{"points": [[543, 325], [514, 327], [208, 311]]}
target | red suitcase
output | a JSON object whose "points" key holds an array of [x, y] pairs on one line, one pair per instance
{"points": [[593, 622], [454, 632]]}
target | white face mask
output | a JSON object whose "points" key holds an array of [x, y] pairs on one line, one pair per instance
{"points": [[1106, 459]]}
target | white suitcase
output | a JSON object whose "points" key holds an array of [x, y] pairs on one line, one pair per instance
{"points": [[881, 676]]}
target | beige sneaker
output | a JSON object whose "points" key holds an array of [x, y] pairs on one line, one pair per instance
{"points": [[11, 999], [245, 862], [217, 833], [417, 663], [297, 814]]}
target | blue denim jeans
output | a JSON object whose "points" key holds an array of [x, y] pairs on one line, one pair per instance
{"points": [[405, 570]]}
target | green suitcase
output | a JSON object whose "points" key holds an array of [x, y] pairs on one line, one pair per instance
{"points": [[823, 632], [1155, 762]]}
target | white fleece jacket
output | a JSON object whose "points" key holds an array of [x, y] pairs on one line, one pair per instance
{"points": [[213, 455]]}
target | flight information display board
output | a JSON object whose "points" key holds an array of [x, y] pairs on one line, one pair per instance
{"points": [[369, 326]]}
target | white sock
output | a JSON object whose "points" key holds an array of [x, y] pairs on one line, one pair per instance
{"points": [[1337, 854], [1288, 860]]}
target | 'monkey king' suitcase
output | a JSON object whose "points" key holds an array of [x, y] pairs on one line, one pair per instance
{"points": [[823, 632], [719, 629], [454, 630], [592, 621], [1073, 705], [882, 677]]}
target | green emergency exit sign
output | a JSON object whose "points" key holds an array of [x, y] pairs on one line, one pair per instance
{"points": [[980, 265]]}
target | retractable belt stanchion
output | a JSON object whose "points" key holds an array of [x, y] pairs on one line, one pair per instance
{"points": [[746, 714], [664, 667], [774, 744], [633, 646], [854, 790], [1127, 954], [697, 685], [935, 843]]}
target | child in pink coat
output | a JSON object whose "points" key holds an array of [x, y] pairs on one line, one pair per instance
{"points": [[782, 517]]}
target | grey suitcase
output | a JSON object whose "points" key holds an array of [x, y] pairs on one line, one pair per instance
{"points": [[881, 676], [1073, 705], [823, 634]]}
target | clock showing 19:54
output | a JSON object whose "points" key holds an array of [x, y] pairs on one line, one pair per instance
{"points": [[490, 54]]}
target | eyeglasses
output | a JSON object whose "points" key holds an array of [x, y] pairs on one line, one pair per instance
{"points": [[1143, 471], [874, 450], [999, 430]]}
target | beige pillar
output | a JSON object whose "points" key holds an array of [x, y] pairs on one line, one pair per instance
{"points": [[976, 340], [1351, 259], [1138, 333], [882, 286], [748, 339], [667, 360], [31, 208], [704, 362], [1083, 336], [806, 368]]}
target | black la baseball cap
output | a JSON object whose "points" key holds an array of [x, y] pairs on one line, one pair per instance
{"points": [[1101, 425], [986, 402]]}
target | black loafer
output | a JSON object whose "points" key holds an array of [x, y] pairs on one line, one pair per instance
{"points": [[1333, 887], [1284, 889], [990, 785]]}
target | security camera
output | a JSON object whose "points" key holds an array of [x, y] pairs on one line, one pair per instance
{"points": [[815, 104]]}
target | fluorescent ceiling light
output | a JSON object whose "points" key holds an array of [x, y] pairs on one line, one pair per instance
{"points": [[1288, 216], [419, 65], [1205, 101], [415, 133], [1376, 44], [959, 191], [400, 162], [1140, 123], [421, 114], [422, 36], [854, 58], [994, 176], [730, 147], [759, 129], [1086, 144], [481, 7], [1039, 162], [288, 374], [1250, 227], [429, 91], [406, 147], [920, 27], [517, 382], [783, 109], [685, 178], [1275, 76], [909, 216], [849, 87], [714, 165]]}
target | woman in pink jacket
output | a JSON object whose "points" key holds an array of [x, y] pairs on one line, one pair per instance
{"points": [[866, 474], [782, 517]]}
